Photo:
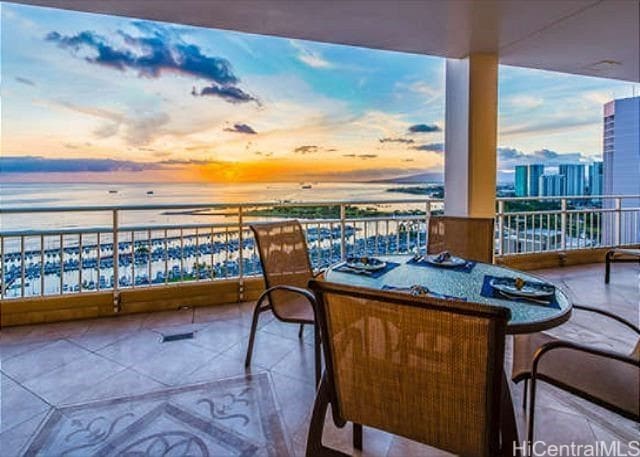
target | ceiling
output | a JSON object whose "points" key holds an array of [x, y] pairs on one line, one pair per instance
{"points": [[588, 37]]}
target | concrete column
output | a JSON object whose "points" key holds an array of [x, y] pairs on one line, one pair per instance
{"points": [[471, 123]]}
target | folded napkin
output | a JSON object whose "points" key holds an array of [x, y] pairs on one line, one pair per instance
{"points": [[422, 291], [489, 292], [344, 268], [465, 268]]}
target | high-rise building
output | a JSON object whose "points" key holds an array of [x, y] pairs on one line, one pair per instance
{"points": [[574, 179], [522, 176], [595, 178], [551, 185], [535, 171], [621, 169]]}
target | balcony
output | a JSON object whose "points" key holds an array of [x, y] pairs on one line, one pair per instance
{"points": [[80, 367], [124, 329], [49, 269]]}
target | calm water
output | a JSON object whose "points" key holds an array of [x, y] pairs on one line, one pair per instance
{"points": [[56, 195], [57, 264]]}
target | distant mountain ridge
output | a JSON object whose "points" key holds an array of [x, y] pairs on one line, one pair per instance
{"points": [[435, 177], [429, 177]]}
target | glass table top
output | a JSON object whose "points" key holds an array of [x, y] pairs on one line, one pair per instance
{"points": [[526, 316]]}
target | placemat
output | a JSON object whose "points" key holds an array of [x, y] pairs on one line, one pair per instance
{"points": [[430, 294], [367, 273], [489, 292], [466, 268]]}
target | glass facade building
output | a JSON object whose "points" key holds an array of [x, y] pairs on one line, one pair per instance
{"points": [[522, 178], [595, 178], [621, 168], [535, 171], [552, 185], [574, 179]]}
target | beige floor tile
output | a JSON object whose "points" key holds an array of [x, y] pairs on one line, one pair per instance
{"points": [[28, 365], [174, 362], [17, 404], [61, 385]]}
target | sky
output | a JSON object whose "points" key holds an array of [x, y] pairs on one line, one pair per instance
{"points": [[92, 97]]}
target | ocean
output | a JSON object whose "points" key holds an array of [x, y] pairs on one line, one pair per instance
{"points": [[62, 261], [91, 194]]}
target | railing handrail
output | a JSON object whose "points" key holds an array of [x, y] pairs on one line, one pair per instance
{"points": [[281, 203], [569, 197], [243, 205]]}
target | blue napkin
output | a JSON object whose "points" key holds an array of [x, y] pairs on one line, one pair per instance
{"points": [[367, 273], [429, 294], [466, 268], [489, 292]]}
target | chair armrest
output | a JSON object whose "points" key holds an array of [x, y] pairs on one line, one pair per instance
{"points": [[298, 290], [609, 315], [321, 271], [547, 347]]}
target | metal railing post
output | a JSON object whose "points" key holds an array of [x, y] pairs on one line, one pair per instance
{"points": [[427, 217], [240, 255], [500, 227], [116, 262], [563, 224], [343, 232], [618, 221]]}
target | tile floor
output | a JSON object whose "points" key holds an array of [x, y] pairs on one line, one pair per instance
{"points": [[60, 367]]}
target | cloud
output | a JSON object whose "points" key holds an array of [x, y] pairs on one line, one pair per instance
{"points": [[230, 94], [430, 147], [26, 81], [526, 101], [189, 162], [361, 156], [138, 130], [36, 164], [306, 149], [424, 128], [263, 154], [155, 53], [241, 128], [548, 126], [396, 140], [509, 157], [106, 130], [309, 57]]}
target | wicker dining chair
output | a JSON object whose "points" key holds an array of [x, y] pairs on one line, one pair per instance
{"points": [[427, 369], [607, 378], [467, 237], [287, 270]]}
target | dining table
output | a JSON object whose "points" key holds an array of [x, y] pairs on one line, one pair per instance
{"points": [[471, 282]]}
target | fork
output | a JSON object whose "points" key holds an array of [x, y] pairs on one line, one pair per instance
{"points": [[515, 297]]}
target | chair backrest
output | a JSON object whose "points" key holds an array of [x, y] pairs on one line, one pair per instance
{"points": [[284, 257], [423, 368], [470, 238]]}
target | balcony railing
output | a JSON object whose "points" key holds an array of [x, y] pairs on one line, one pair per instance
{"points": [[65, 257]]}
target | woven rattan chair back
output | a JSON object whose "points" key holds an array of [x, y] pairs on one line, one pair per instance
{"points": [[470, 238], [284, 257], [426, 369]]}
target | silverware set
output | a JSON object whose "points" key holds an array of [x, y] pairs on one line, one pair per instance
{"points": [[517, 297]]}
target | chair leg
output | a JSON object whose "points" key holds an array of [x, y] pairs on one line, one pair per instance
{"points": [[318, 352], [316, 427], [530, 417], [357, 436], [607, 268], [301, 331], [524, 394], [252, 335]]}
